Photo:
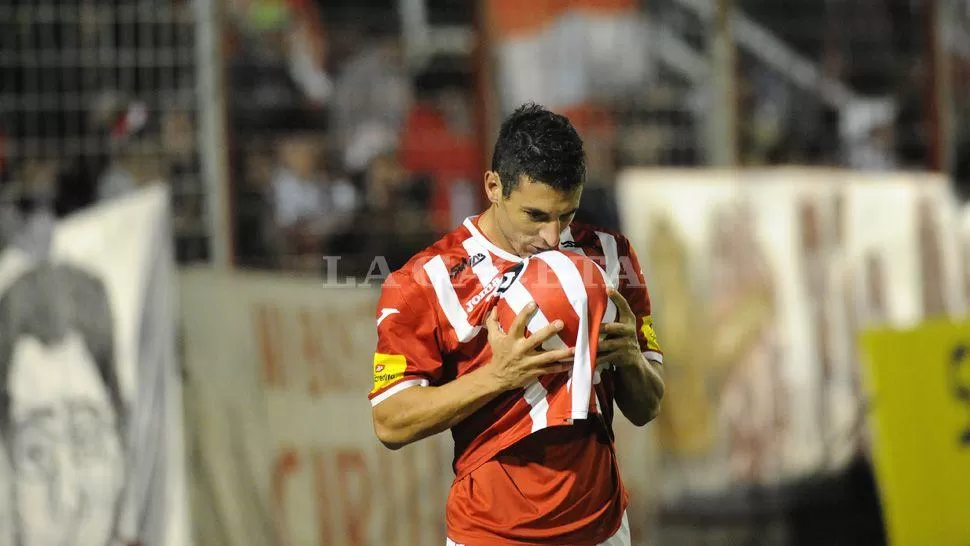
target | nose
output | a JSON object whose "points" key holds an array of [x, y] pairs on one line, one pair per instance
{"points": [[550, 234]]}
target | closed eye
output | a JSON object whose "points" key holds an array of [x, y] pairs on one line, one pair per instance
{"points": [[540, 216]]}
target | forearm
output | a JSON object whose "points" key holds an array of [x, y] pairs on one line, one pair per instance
{"points": [[639, 390], [419, 412]]}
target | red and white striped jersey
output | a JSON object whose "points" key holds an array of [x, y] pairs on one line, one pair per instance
{"points": [[430, 322], [566, 286]]}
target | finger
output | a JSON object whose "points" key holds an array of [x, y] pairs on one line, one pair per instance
{"points": [[492, 324], [623, 308], [552, 357], [544, 333], [611, 345], [616, 329], [556, 367], [521, 320], [605, 360]]}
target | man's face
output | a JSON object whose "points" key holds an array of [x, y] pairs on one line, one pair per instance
{"points": [[67, 456], [532, 217]]}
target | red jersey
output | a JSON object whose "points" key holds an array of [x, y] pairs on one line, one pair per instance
{"points": [[430, 331]]}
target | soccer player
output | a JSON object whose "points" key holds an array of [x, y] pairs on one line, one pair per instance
{"points": [[438, 367]]}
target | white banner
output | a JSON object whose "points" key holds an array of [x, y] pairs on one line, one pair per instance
{"points": [[279, 370], [90, 395], [760, 280]]}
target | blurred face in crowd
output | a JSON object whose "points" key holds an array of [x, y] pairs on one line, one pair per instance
{"points": [[384, 175], [65, 446], [532, 217], [299, 154]]}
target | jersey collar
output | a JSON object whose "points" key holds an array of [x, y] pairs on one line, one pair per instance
{"points": [[481, 238]]}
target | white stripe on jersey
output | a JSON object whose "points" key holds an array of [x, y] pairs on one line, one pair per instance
{"points": [[398, 388], [448, 300], [610, 254], [485, 270], [517, 300], [612, 258], [516, 296], [581, 376], [536, 396]]}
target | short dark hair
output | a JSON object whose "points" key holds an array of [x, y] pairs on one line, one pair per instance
{"points": [[541, 145], [46, 303]]}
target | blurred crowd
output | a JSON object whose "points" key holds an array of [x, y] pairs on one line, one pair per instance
{"points": [[343, 148], [338, 149], [883, 52], [97, 98], [340, 144]]}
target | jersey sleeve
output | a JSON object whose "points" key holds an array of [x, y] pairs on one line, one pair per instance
{"points": [[408, 353], [633, 287]]}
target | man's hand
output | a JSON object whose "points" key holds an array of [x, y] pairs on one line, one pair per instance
{"points": [[619, 345], [640, 384], [518, 360]]}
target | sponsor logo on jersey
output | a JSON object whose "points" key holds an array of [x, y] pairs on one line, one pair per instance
{"points": [[508, 278], [495, 287], [466, 263], [483, 293], [388, 369], [585, 244]]}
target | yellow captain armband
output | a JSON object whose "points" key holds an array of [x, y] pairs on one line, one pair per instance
{"points": [[650, 334], [388, 369]]}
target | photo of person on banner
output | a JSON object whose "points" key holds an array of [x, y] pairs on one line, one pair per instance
{"points": [[62, 415], [726, 386]]}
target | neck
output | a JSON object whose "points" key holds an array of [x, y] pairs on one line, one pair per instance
{"points": [[488, 225]]}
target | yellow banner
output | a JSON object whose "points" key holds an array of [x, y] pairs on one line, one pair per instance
{"points": [[919, 382]]}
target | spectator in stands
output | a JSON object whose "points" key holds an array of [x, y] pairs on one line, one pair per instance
{"points": [[290, 35], [119, 122], [393, 221], [439, 141], [259, 241], [868, 135], [308, 206], [599, 206], [372, 88]]}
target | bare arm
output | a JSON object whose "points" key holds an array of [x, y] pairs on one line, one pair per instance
{"points": [[639, 381], [419, 412], [639, 390]]}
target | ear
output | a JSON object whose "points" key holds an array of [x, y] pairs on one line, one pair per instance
{"points": [[493, 186]]}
